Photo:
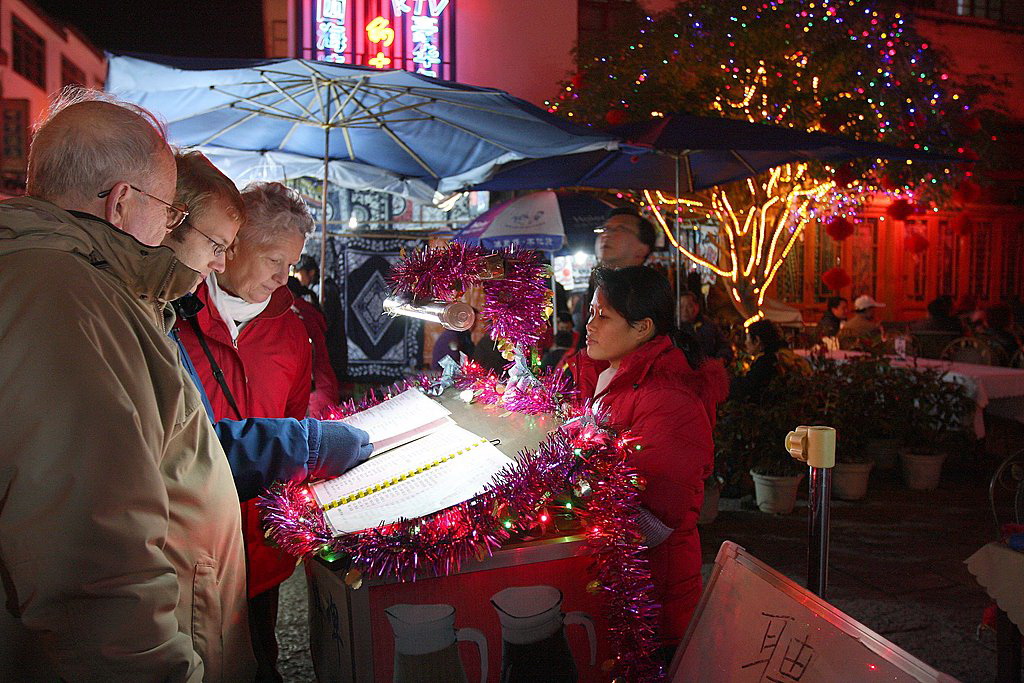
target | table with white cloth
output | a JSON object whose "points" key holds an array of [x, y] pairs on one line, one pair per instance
{"points": [[995, 389], [1000, 571]]}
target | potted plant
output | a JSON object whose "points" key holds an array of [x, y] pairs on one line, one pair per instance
{"points": [[940, 417], [749, 442]]}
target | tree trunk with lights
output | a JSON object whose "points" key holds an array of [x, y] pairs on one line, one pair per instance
{"points": [[848, 67]]}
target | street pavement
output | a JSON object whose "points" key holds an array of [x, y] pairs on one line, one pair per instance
{"points": [[896, 566]]}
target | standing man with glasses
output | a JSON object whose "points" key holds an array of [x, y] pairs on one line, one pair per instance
{"points": [[624, 239], [121, 555]]}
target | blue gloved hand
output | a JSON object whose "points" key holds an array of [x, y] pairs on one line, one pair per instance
{"points": [[341, 448]]}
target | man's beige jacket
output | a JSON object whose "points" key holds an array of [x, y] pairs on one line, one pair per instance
{"points": [[121, 553]]}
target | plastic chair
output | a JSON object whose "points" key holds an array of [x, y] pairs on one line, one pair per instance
{"points": [[969, 350], [1006, 492]]}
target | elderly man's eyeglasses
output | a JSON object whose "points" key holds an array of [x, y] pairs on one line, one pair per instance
{"points": [[218, 248], [176, 212], [612, 229]]}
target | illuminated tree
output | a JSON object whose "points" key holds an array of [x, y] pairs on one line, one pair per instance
{"points": [[845, 67]]}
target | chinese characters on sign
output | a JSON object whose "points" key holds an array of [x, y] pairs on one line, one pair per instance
{"points": [[785, 664], [332, 39], [384, 34]]}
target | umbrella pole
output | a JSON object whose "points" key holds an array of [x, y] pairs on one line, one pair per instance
{"points": [[678, 262], [323, 215]]}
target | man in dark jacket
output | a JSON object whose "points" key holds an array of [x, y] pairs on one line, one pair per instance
{"points": [[709, 336], [835, 316]]}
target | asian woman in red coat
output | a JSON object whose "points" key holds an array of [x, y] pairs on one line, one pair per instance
{"points": [[633, 369]]}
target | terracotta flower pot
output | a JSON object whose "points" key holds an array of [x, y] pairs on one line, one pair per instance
{"points": [[850, 479], [776, 494], [922, 471]]}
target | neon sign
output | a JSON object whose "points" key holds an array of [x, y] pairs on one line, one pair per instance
{"points": [[331, 36], [406, 34]]}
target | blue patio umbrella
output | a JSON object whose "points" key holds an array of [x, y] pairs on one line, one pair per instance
{"points": [[445, 134], [686, 153]]}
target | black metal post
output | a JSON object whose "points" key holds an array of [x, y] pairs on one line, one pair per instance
{"points": [[819, 500]]}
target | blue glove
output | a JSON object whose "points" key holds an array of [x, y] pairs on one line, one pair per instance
{"points": [[341, 448]]}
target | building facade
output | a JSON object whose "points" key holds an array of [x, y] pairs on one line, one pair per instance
{"points": [[38, 56]]}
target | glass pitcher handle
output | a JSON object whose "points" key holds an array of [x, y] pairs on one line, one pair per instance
{"points": [[480, 639], [583, 619]]}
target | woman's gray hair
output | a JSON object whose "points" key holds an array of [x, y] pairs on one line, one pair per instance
{"points": [[273, 210], [89, 140]]}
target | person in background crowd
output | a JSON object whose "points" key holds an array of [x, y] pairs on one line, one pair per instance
{"points": [[712, 342], [970, 314], [835, 316], [771, 356], [308, 274], [253, 355], [324, 392], [451, 343], [624, 239], [564, 344], [632, 369], [862, 326], [997, 331], [940, 317], [120, 539]]}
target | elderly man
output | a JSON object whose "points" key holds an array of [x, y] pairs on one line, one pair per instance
{"points": [[259, 450], [624, 239], [120, 539], [253, 356]]}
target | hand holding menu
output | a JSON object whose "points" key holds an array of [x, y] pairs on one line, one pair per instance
{"points": [[427, 473]]}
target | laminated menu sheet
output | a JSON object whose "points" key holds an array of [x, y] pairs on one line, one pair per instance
{"points": [[441, 467]]}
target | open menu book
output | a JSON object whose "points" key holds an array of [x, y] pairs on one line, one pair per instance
{"points": [[437, 465]]}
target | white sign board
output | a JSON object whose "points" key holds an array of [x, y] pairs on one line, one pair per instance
{"points": [[754, 624]]}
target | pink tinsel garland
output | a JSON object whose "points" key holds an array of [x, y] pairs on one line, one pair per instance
{"points": [[515, 306], [580, 454]]}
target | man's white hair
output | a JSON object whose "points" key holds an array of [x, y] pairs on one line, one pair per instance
{"points": [[87, 141], [273, 210]]}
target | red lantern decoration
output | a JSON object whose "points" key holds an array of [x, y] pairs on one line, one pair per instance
{"points": [[915, 242], [899, 210], [615, 117], [839, 228], [963, 225], [836, 278]]}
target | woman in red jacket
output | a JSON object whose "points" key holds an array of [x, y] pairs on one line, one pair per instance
{"points": [[633, 370]]}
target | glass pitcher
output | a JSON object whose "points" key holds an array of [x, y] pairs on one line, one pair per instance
{"points": [[534, 647], [426, 647]]}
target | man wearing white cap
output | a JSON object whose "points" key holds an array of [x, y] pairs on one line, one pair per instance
{"points": [[862, 325]]}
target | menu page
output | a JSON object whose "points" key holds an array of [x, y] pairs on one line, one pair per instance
{"points": [[400, 419], [444, 468]]}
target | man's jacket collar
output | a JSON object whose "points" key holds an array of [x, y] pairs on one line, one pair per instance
{"points": [[151, 274]]}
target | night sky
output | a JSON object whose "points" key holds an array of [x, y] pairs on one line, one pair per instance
{"points": [[210, 28]]}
